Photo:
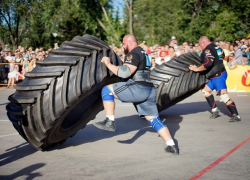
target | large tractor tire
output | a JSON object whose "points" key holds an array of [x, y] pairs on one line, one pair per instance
{"points": [[62, 93], [175, 82]]}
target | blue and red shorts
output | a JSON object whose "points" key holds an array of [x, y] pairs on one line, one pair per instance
{"points": [[219, 82]]}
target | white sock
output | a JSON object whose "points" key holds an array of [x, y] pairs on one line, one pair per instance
{"points": [[111, 117], [214, 109], [170, 142]]}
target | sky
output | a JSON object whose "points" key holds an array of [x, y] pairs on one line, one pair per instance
{"points": [[119, 4]]}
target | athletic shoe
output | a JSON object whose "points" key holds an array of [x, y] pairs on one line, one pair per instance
{"points": [[172, 149], [214, 114], [106, 125], [235, 118]]}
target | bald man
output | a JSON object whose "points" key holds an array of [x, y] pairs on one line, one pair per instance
{"points": [[212, 64], [138, 89]]}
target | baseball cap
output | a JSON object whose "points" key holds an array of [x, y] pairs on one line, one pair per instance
{"points": [[244, 46], [173, 37]]}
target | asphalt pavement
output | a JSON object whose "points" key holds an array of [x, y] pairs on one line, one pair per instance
{"points": [[209, 148]]}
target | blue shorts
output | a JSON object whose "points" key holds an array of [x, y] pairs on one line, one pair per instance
{"points": [[218, 83]]}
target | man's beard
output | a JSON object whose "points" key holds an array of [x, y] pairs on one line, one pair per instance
{"points": [[125, 51]]}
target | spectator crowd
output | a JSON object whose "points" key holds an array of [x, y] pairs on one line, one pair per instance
{"points": [[236, 53], [14, 65]]}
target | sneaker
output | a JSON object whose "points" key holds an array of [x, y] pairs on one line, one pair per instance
{"points": [[235, 118], [106, 125], [172, 149], [214, 114]]}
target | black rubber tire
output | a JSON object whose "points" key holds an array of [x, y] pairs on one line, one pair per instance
{"points": [[175, 82], [63, 93]]}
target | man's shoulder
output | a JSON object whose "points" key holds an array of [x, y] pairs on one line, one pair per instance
{"points": [[136, 50]]}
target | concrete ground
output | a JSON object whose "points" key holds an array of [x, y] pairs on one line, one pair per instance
{"points": [[135, 151]]}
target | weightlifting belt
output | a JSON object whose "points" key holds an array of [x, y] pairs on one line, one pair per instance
{"points": [[215, 70], [141, 75]]}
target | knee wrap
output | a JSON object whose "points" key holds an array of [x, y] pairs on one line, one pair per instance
{"points": [[205, 92], [107, 94], [156, 123], [225, 98]]}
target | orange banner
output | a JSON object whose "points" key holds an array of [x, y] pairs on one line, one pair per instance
{"points": [[238, 80]]}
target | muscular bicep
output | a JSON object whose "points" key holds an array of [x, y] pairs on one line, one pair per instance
{"points": [[131, 67]]}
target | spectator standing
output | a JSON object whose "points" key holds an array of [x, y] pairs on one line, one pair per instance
{"points": [[171, 53], [231, 61], [173, 41], [9, 57], [3, 75], [25, 64], [161, 59], [183, 51], [13, 74], [246, 55], [197, 49], [7, 48], [238, 54], [177, 51]]}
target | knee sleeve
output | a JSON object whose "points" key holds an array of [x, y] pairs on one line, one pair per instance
{"points": [[205, 92], [156, 123], [107, 94], [225, 98]]}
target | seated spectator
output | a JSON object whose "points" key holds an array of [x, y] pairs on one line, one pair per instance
{"points": [[231, 61], [238, 54]]}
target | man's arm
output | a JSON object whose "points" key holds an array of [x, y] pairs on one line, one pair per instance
{"points": [[208, 62], [197, 69], [115, 68]]}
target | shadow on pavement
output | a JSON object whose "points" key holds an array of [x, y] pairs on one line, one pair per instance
{"points": [[171, 117], [123, 125], [194, 107], [25, 172], [16, 153]]}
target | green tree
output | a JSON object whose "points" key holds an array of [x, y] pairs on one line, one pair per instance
{"points": [[14, 15]]}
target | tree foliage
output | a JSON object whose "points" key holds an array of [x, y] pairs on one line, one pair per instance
{"points": [[33, 22]]}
